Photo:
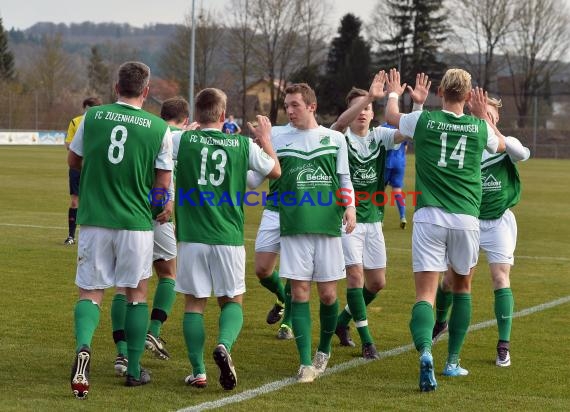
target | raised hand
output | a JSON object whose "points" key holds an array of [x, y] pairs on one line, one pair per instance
{"points": [[478, 103], [393, 83], [420, 92], [262, 131], [376, 90]]}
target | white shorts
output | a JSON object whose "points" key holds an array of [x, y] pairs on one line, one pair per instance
{"points": [[202, 268], [113, 257], [268, 237], [434, 247], [164, 241], [316, 258], [499, 238], [365, 246]]}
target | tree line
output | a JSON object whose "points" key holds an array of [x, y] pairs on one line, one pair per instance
{"points": [[289, 41]]}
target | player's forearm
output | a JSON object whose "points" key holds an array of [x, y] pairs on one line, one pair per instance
{"points": [[350, 114], [392, 112], [162, 179], [515, 149]]}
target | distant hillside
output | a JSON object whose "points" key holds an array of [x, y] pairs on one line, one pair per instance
{"points": [[146, 43]]}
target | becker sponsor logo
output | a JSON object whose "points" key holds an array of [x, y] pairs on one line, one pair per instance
{"points": [[312, 177], [363, 176], [491, 184]]}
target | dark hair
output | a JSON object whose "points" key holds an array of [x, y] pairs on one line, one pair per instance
{"points": [[354, 93], [175, 109], [133, 78], [305, 90], [91, 102], [210, 104]]}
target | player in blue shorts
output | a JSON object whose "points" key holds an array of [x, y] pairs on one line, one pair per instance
{"points": [[394, 177]]}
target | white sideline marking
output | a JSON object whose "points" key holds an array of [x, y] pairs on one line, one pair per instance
{"points": [[33, 226], [276, 385]]}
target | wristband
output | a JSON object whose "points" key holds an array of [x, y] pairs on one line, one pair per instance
{"points": [[393, 95], [417, 107]]}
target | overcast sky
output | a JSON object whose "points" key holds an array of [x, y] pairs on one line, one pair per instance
{"points": [[22, 14]]}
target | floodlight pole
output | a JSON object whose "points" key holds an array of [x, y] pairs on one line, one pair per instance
{"points": [[192, 44]]}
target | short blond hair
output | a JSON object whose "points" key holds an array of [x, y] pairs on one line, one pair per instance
{"points": [[455, 85], [495, 102], [210, 104]]}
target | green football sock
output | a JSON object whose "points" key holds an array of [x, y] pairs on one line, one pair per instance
{"points": [[230, 323], [287, 311], [504, 306], [135, 328], [368, 296], [355, 299], [459, 321], [274, 285], [443, 301], [86, 320], [195, 337], [118, 318], [344, 317], [421, 325], [164, 298], [301, 323], [328, 315]]}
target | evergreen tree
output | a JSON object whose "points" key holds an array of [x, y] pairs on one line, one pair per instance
{"points": [[98, 75], [348, 65], [413, 48], [7, 71]]}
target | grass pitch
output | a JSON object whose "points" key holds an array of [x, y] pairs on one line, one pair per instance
{"points": [[36, 310]]}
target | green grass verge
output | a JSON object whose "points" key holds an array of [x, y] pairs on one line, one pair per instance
{"points": [[36, 343]]}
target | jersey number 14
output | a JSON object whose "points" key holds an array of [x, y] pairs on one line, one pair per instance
{"points": [[457, 154]]}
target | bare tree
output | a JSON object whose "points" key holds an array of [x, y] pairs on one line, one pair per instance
{"points": [[276, 47], [209, 39], [490, 22], [241, 40], [51, 69], [313, 29], [535, 49], [175, 61]]}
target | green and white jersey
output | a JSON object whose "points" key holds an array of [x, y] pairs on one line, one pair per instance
{"points": [[448, 151], [273, 194], [311, 162], [156, 210], [500, 179], [121, 146], [364, 155], [210, 183]]}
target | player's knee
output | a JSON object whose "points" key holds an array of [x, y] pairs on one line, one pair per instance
{"points": [[376, 285]]}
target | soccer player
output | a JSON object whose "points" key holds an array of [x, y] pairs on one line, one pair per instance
{"points": [[395, 170], [230, 126], [315, 167], [122, 151], [74, 175], [211, 174], [175, 112], [364, 249], [449, 145], [267, 247], [498, 231]]}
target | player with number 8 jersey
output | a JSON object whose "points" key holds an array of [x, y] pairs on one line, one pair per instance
{"points": [[120, 144]]}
